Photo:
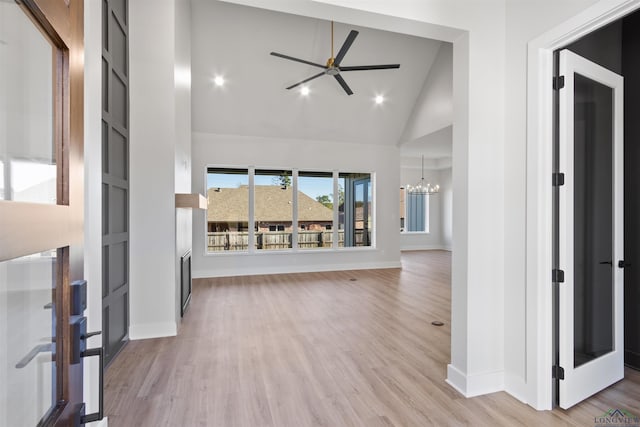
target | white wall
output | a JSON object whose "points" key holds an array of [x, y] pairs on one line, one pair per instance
{"points": [[182, 80], [434, 107], [93, 192], [222, 150], [477, 30], [429, 131], [410, 175], [526, 19], [150, 280], [490, 50], [504, 212], [152, 272], [446, 209]]}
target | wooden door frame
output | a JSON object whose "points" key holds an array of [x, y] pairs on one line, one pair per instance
{"points": [[36, 227], [539, 225]]}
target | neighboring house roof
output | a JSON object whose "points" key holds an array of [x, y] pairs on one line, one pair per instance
{"points": [[272, 203]]}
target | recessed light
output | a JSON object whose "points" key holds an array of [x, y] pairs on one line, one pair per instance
{"points": [[379, 99], [304, 90], [219, 81]]}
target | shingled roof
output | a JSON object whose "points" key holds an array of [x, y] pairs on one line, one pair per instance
{"points": [[272, 204]]}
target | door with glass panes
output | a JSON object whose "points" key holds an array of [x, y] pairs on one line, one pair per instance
{"points": [[590, 229], [41, 211]]}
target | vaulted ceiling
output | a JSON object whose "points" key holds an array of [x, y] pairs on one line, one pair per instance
{"points": [[235, 41]]}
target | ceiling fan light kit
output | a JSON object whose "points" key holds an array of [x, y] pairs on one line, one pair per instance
{"points": [[333, 68]]}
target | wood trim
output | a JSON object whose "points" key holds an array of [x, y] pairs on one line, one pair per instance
{"points": [[34, 10], [36, 228], [39, 13], [195, 201], [53, 17], [29, 228]]}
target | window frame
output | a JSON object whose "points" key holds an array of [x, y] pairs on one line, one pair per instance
{"points": [[427, 217], [251, 249]]}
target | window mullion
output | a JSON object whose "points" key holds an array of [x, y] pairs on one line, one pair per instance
{"points": [[372, 209], [406, 210], [252, 220], [336, 209], [294, 226], [427, 201]]}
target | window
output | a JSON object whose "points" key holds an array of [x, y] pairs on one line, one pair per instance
{"points": [[227, 210], [273, 213], [2, 180], [414, 210], [315, 210], [257, 210], [402, 209], [356, 214]]}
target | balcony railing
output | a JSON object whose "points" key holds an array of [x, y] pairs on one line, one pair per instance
{"points": [[273, 240]]}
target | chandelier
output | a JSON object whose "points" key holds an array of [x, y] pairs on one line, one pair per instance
{"points": [[421, 187]]}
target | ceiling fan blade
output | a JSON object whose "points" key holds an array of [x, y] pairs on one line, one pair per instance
{"points": [[306, 80], [344, 84], [345, 47], [291, 58], [370, 67]]}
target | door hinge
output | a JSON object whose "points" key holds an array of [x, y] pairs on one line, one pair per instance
{"points": [[557, 275], [557, 372], [558, 82], [558, 179]]}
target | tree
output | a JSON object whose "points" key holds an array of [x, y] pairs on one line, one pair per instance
{"points": [[325, 200], [340, 195], [283, 180], [328, 200]]}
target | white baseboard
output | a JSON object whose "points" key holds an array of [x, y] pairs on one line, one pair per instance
{"points": [[153, 330], [456, 379], [424, 248], [475, 385], [206, 273], [516, 387]]}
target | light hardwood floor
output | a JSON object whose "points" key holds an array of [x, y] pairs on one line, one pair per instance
{"points": [[353, 348]]}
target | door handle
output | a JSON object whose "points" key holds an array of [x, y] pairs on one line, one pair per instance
{"points": [[79, 337], [98, 351], [606, 262], [41, 348], [622, 264], [92, 334]]}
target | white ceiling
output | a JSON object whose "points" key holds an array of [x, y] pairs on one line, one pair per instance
{"points": [[436, 145], [235, 41]]}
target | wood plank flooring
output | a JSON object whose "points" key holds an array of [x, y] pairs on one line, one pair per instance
{"points": [[353, 348]]}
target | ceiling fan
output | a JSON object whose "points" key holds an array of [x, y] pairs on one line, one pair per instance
{"points": [[333, 67]]}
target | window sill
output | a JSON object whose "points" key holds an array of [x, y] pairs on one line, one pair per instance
{"points": [[289, 251]]}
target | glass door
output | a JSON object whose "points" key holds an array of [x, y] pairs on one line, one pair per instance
{"points": [[362, 211], [41, 210], [590, 229], [28, 354]]}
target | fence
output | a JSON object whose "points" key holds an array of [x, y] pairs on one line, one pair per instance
{"points": [[316, 239], [269, 240]]}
